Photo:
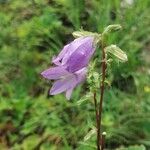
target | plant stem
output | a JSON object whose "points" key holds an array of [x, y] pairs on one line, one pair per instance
{"points": [[97, 119], [103, 140], [101, 91]]}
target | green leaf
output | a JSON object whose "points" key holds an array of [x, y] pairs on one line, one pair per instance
{"points": [[117, 52], [112, 28], [141, 147]]}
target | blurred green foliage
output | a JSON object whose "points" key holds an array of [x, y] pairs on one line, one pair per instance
{"points": [[31, 32]]}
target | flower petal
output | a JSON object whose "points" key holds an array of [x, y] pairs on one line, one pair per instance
{"points": [[68, 93], [68, 83], [80, 76], [57, 59], [68, 50], [63, 84], [55, 73], [81, 56], [72, 48]]}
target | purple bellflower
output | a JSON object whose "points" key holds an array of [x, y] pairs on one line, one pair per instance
{"points": [[70, 66]]}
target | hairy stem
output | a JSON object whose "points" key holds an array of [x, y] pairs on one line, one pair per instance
{"points": [[97, 119], [101, 91], [103, 140]]}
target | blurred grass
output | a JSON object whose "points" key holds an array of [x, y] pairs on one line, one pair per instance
{"points": [[32, 31]]}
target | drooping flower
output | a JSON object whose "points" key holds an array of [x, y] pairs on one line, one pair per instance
{"points": [[70, 66], [76, 54], [65, 81]]}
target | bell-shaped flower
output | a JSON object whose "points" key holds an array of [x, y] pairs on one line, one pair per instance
{"points": [[71, 66], [76, 54], [65, 81]]}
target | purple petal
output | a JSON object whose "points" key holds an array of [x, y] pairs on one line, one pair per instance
{"points": [[68, 83], [63, 84], [57, 60], [81, 56], [81, 75], [69, 49], [72, 48], [68, 93], [55, 73]]}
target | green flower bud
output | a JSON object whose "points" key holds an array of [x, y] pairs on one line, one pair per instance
{"points": [[117, 52], [112, 28]]}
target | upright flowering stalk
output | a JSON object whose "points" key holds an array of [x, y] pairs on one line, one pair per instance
{"points": [[71, 67]]}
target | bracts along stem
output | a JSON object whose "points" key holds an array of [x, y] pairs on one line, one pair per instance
{"points": [[97, 119], [102, 82], [98, 108]]}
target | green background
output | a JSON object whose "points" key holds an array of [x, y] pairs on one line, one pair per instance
{"points": [[31, 33]]}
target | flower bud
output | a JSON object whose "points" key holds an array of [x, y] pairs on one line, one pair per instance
{"points": [[117, 52], [112, 28], [78, 34]]}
